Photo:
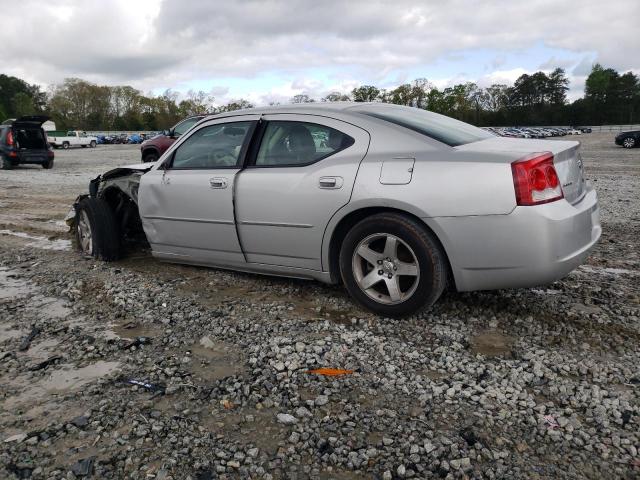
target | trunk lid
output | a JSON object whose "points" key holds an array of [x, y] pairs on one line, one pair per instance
{"points": [[566, 159], [29, 121]]}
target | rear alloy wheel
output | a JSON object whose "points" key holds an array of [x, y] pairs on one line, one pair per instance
{"points": [[392, 265], [96, 230], [65, 145], [629, 142], [150, 157], [93, 144]]}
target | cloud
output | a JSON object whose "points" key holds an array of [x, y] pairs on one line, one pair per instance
{"points": [[168, 44]]}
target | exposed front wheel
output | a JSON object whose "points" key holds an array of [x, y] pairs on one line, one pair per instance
{"points": [[629, 142], [392, 265], [92, 144], [96, 230], [65, 145]]}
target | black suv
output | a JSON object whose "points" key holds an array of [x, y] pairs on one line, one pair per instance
{"points": [[24, 141], [628, 139]]}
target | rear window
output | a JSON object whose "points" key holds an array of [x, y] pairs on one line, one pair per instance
{"points": [[439, 127]]}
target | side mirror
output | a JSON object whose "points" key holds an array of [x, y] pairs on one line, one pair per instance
{"points": [[167, 133]]}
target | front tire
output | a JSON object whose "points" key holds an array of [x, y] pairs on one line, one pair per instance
{"points": [[149, 157], [65, 145], [92, 144], [629, 142], [96, 230], [48, 164], [392, 265]]}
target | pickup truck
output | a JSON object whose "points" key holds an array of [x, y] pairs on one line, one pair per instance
{"points": [[73, 138]]}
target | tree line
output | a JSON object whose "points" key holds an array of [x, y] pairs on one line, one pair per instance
{"points": [[536, 99]]}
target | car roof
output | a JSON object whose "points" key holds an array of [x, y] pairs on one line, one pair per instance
{"points": [[309, 108]]}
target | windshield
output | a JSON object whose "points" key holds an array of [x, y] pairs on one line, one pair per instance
{"points": [[439, 127]]}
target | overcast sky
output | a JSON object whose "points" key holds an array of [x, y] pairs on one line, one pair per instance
{"points": [[273, 49]]}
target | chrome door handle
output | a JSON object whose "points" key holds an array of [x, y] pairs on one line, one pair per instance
{"points": [[330, 182], [218, 182]]}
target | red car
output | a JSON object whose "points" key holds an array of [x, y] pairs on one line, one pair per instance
{"points": [[153, 148]]}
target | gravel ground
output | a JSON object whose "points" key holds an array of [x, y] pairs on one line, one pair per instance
{"points": [[141, 370]]}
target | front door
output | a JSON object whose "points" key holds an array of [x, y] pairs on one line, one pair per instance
{"points": [[301, 174], [186, 202]]}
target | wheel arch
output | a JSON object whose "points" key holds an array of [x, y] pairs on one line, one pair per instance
{"points": [[124, 205], [341, 226], [149, 149]]}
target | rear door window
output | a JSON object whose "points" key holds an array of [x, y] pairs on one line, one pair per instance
{"points": [[288, 143]]}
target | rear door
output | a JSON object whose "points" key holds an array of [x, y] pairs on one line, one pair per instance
{"points": [[186, 201], [301, 173]]}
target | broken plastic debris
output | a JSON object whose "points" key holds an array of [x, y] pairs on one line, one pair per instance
{"points": [[551, 422], [45, 363], [227, 404], [84, 467], [149, 386], [137, 341], [26, 343], [330, 372]]}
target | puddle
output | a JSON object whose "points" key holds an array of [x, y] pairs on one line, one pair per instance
{"points": [[264, 431], [216, 361], [609, 271], [492, 344], [50, 307], [9, 334], [42, 243], [65, 379], [41, 350], [69, 378], [548, 291], [11, 286], [131, 331]]}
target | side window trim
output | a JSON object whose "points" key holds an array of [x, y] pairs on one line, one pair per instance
{"points": [[168, 164], [260, 137]]}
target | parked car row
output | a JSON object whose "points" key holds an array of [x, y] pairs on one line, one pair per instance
{"points": [[537, 132], [134, 138]]}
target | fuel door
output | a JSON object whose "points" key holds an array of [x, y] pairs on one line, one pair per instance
{"points": [[397, 171]]}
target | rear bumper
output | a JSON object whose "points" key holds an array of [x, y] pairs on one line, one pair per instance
{"points": [[531, 246]]}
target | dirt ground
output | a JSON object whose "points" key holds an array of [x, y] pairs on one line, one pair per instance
{"points": [[137, 369]]}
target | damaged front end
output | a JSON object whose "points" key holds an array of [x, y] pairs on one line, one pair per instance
{"points": [[119, 188]]}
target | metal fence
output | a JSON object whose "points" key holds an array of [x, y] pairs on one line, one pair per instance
{"points": [[614, 128]]}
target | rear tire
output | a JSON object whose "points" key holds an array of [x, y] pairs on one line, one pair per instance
{"points": [[65, 145], [149, 157], [6, 163], [393, 243], [48, 164], [629, 142], [96, 230], [92, 144]]}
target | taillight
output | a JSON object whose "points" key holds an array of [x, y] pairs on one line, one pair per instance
{"points": [[535, 180], [10, 138]]}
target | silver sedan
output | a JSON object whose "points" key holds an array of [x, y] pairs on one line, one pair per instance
{"points": [[396, 203]]}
